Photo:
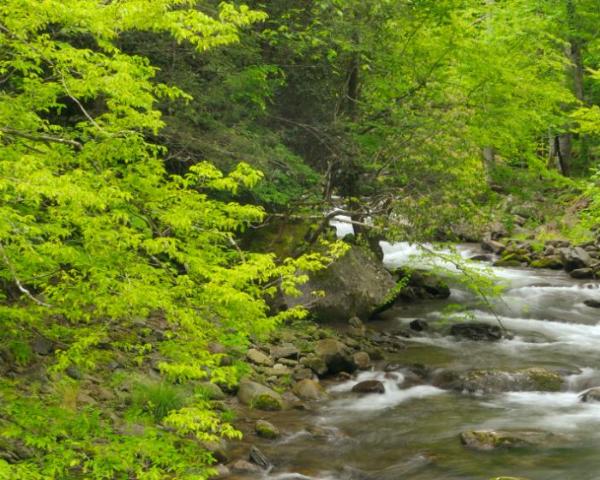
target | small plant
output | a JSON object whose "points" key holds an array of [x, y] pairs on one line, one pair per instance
{"points": [[157, 398]]}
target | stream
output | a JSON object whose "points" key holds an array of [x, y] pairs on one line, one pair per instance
{"points": [[412, 431]]}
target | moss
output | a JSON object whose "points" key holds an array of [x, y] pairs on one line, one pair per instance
{"points": [[266, 402], [547, 262], [545, 380], [266, 430]]}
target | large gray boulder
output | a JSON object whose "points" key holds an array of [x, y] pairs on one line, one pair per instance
{"points": [[335, 355], [575, 258], [258, 396], [356, 285]]}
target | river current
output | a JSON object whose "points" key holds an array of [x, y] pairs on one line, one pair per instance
{"points": [[411, 432]]}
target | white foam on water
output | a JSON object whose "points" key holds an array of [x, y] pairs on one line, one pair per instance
{"points": [[394, 395], [404, 253], [342, 225]]}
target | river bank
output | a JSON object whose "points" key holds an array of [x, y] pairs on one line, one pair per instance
{"points": [[436, 390]]}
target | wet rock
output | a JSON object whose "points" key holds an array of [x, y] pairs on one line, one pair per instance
{"points": [[369, 386], [278, 370], [482, 258], [418, 325], [357, 284], [591, 395], [362, 360], [266, 429], [575, 258], [493, 246], [477, 331], [244, 466], [486, 440], [259, 458], [308, 390], [335, 355], [424, 285], [592, 303], [582, 273], [259, 358], [497, 381], [286, 350], [552, 262], [258, 396]]}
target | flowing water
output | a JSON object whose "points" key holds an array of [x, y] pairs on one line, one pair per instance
{"points": [[412, 431]]}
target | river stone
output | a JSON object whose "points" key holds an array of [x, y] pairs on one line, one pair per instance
{"points": [[266, 429], [582, 273], [477, 331], [308, 389], [486, 440], [335, 355], [258, 396], [357, 284], [362, 360], [259, 358], [592, 303], [496, 381], [489, 245], [287, 350], [259, 458], [369, 386], [484, 257], [552, 261], [42, 346], [418, 325], [279, 370], [591, 395], [575, 258], [244, 466], [315, 363]]}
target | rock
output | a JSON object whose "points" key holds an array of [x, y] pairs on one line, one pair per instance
{"points": [[356, 323], [508, 262], [335, 356], [266, 429], [497, 381], [74, 372], [592, 303], [493, 246], [211, 391], [279, 370], [485, 440], [575, 258], [482, 258], [362, 360], [356, 284], [243, 466], [476, 331], [425, 285], [308, 390], [222, 471], [42, 346], [218, 449], [369, 386], [259, 358], [553, 262], [591, 395], [582, 273], [558, 243], [286, 350], [418, 325], [258, 396], [315, 363], [259, 458]]}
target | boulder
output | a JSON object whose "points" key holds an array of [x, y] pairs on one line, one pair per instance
{"points": [[418, 325], [287, 350], [369, 386], [484, 257], [497, 381], [259, 458], [582, 273], [315, 363], [356, 284], [258, 396], [508, 262], [244, 466], [553, 262], [575, 258], [266, 429], [335, 355], [279, 370], [476, 331], [493, 246], [259, 358], [308, 390], [591, 395], [362, 360], [423, 285], [486, 440]]}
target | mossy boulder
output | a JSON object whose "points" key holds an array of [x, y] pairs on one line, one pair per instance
{"points": [[258, 396], [498, 381], [487, 440], [553, 262], [266, 429], [355, 285]]}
